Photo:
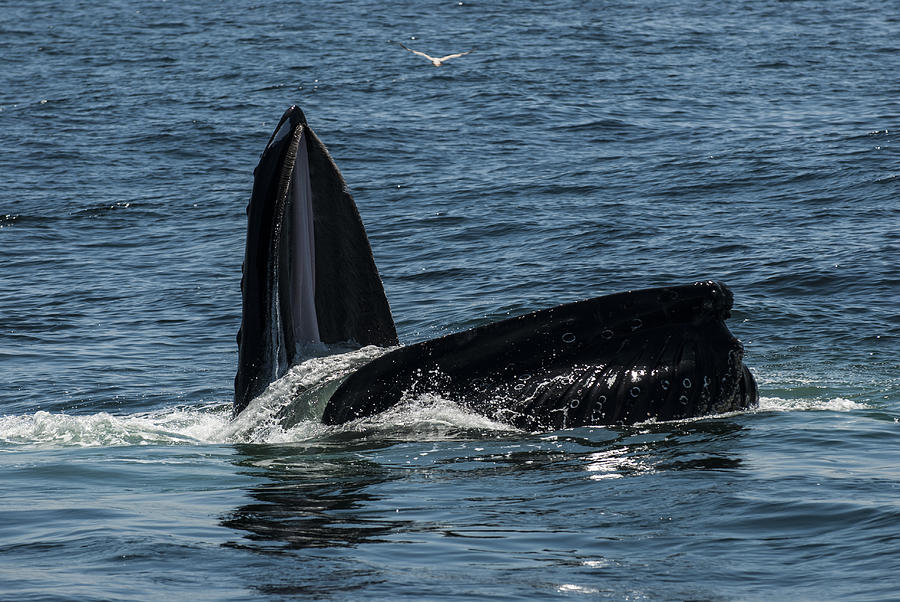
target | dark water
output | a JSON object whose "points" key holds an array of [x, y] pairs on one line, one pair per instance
{"points": [[582, 148]]}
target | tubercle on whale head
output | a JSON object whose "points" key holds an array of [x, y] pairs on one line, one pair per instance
{"points": [[709, 297], [702, 300], [721, 297]]}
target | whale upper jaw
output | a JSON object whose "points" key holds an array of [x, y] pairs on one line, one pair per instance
{"points": [[662, 353]]}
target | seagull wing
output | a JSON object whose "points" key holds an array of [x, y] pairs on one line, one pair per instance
{"points": [[417, 52], [453, 56]]}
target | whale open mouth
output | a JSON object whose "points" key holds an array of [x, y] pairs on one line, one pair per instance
{"points": [[308, 271]]}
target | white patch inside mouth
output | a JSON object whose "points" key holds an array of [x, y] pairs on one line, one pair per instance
{"points": [[303, 251], [283, 131]]}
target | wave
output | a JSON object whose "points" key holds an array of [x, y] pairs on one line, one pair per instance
{"points": [[179, 425], [837, 404], [289, 411], [212, 425], [261, 422], [430, 417]]}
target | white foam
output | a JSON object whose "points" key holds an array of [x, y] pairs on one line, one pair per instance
{"points": [[430, 411], [428, 416], [838, 404], [165, 427], [303, 391], [281, 133], [425, 416], [259, 422]]}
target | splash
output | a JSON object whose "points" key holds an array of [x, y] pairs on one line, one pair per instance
{"points": [[171, 426], [837, 404], [428, 414], [288, 411], [290, 408]]}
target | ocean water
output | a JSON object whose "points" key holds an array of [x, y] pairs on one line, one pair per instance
{"points": [[582, 148]]}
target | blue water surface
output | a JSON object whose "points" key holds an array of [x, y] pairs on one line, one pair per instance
{"points": [[582, 148]]}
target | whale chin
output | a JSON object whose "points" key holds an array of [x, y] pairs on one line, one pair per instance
{"points": [[309, 277]]}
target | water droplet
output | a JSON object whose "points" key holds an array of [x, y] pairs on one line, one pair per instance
{"points": [[635, 391], [607, 334], [665, 384], [568, 337], [687, 383], [574, 403], [636, 323]]}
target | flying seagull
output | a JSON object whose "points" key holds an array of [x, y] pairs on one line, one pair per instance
{"points": [[437, 62]]}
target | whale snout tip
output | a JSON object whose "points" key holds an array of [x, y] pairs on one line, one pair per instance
{"points": [[295, 115]]}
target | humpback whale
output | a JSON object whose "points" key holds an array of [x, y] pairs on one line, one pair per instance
{"points": [[309, 276]]}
